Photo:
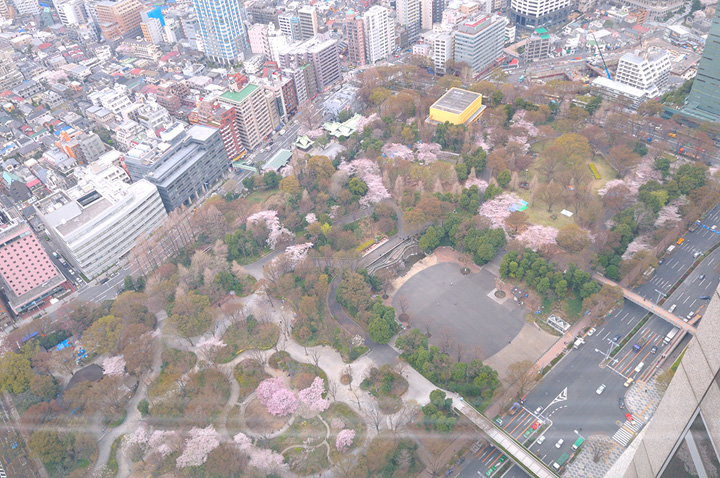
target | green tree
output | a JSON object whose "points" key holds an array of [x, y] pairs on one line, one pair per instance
{"points": [[593, 104], [461, 169], [191, 314], [662, 164], [15, 372], [128, 283], [379, 330], [561, 288], [271, 179], [689, 177], [358, 187], [290, 185], [49, 446], [249, 182], [504, 178], [430, 240]]}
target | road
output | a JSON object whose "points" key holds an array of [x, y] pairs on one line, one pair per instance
{"points": [[567, 394]]}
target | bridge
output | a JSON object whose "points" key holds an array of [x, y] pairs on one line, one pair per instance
{"points": [[649, 306], [520, 455]]}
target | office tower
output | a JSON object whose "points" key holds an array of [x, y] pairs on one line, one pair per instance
{"points": [[255, 112], [118, 19], [97, 222], [152, 27], [290, 26], [355, 34], [70, 12], [277, 42], [221, 29], [323, 56], [262, 14], [182, 164], [683, 439], [479, 42], [539, 13], [307, 16], [258, 36], [8, 12], [442, 47], [379, 34], [211, 112], [646, 71], [432, 12], [408, 15], [27, 275], [703, 103], [27, 7], [537, 46]]}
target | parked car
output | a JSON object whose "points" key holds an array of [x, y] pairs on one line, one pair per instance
{"points": [[538, 410], [621, 402], [704, 297], [591, 331], [600, 389], [540, 440], [559, 443], [629, 417]]}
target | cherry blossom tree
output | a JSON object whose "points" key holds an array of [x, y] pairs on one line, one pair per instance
{"points": [[519, 121], [536, 237], [278, 400], [200, 442], [140, 436], [366, 121], [427, 152], [344, 439], [498, 209], [337, 423], [297, 253], [267, 461], [114, 365], [610, 185], [243, 442], [312, 396], [315, 133], [310, 218], [369, 172], [164, 442], [208, 347], [520, 140], [481, 184], [668, 213], [271, 221], [641, 242], [484, 143], [399, 151]]}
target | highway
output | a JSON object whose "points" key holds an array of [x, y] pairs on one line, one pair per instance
{"points": [[567, 396]]}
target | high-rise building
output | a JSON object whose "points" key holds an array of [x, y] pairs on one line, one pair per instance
{"points": [[8, 12], [432, 12], [27, 275], [682, 439], [151, 26], [442, 47], [117, 19], [27, 7], [379, 34], [355, 34], [537, 46], [221, 29], [255, 112], [277, 42], [290, 26], [258, 36], [703, 103], [307, 16], [70, 12], [479, 42], [323, 55], [182, 164], [408, 15], [211, 112], [648, 71], [656, 10], [263, 14], [539, 13], [97, 222]]}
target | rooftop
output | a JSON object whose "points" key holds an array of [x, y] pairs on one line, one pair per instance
{"points": [[238, 97], [279, 159], [455, 101]]}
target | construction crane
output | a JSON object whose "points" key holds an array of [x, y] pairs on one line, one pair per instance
{"points": [[607, 72]]}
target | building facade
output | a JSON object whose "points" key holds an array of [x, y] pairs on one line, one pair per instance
{"points": [[290, 26], [98, 221], [539, 13], [648, 71], [307, 17], [537, 46], [703, 103], [355, 34], [379, 34], [182, 164], [409, 15], [211, 112], [479, 42], [221, 29], [255, 112], [70, 12], [118, 19]]}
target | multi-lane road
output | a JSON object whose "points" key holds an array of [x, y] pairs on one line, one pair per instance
{"points": [[566, 400]]}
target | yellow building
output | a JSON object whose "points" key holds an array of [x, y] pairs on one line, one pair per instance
{"points": [[457, 106]]}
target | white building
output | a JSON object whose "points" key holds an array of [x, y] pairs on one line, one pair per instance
{"points": [[649, 71], [379, 34], [70, 12], [277, 42], [258, 36], [442, 47], [538, 13], [426, 13], [97, 222], [152, 116], [307, 16], [408, 15], [111, 100], [27, 7]]}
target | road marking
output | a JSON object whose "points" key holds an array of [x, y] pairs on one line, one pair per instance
{"points": [[686, 299], [562, 396], [624, 316], [693, 303]]}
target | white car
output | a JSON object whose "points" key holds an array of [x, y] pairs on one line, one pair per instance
{"points": [[590, 332], [559, 443], [540, 440], [600, 389]]}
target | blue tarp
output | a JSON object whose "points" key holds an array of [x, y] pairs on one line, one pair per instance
{"points": [[63, 345]]}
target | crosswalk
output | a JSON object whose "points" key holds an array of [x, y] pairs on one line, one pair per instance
{"points": [[627, 432]]}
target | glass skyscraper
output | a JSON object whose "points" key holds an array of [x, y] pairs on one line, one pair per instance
{"points": [[221, 29], [704, 101]]}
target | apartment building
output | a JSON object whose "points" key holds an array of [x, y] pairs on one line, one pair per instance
{"points": [[152, 27], [290, 26], [539, 13], [97, 222], [118, 19], [537, 46], [258, 36], [408, 15], [645, 71], [70, 12], [307, 17], [255, 112], [479, 42], [355, 34], [111, 100], [442, 49], [379, 34], [212, 113], [152, 116], [221, 28], [323, 55]]}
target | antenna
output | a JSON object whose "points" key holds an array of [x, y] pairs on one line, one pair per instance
{"points": [[607, 72]]}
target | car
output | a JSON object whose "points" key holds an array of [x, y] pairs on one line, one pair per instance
{"points": [[449, 472], [527, 433], [701, 276], [559, 443], [540, 440], [661, 261], [629, 417], [104, 280], [691, 314], [713, 228], [654, 349], [704, 297], [499, 421], [535, 425], [697, 254], [460, 461], [397, 56], [621, 402], [503, 458], [617, 338], [591, 331], [600, 389], [629, 382], [538, 410]]}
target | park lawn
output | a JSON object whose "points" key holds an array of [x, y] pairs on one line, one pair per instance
{"points": [[607, 173], [301, 374], [237, 338], [298, 432], [307, 462], [175, 363], [572, 307], [539, 146], [539, 215], [249, 373], [259, 197], [341, 411]]}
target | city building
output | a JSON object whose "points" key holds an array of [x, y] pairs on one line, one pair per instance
{"points": [[379, 34], [27, 275], [307, 16], [97, 222], [620, 92], [277, 42], [479, 42], [539, 13], [70, 12], [321, 53], [111, 100], [647, 71], [537, 46], [657, 10], [290, 26], [703, 103], [408, 15], [255, 112], [118, 19], [221, 29], [457, 106], [683, 439], [355, 34], [152, 116], [211, 112], [152, 27], [258, 37], [8, 12], [27, 7], [182, 164], [442, 49], [426, 14], [263, 14]]}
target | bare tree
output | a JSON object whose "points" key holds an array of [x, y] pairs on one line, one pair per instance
{"points": [[315, 357], [332, 388], [445, 341], [347, 370], [400, 366], [259, 356], [460, 347], [356, 395], [521, 374], [374, 416], [404, 417], [599, 448]]}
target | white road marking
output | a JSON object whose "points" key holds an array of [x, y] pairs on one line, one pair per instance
{"points": [[693, 303]]}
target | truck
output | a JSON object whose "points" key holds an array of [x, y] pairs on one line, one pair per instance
{"points": [[640, 344], [670, 250], [671, 335], [561, 461], [578, 343], [694, 226], [578, 443]]}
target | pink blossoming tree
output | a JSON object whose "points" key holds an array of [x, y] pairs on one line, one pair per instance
{"points": [[344, 440], [200, 442], [369, 172], [427, 152], [208, 347], [498, 209], [271, 221], [536, 237], [164, 442], [310, 218], [298, 252], [278, 400], [114, 365], [398, 151], [267, 461], [312, 396]]}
